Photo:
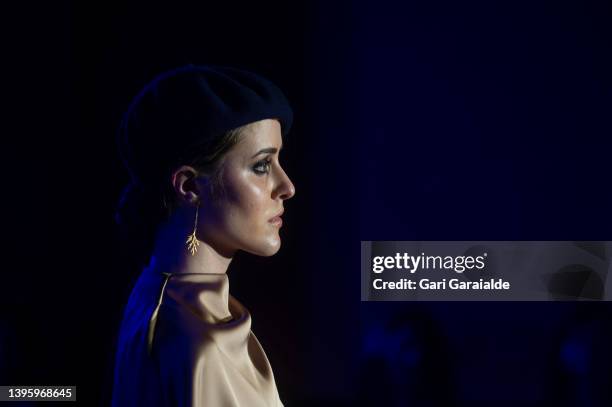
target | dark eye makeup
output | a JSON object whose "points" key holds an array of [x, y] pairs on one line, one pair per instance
{"points": [[262, 167]]}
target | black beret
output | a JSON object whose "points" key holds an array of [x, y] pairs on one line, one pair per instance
{"points": [[191, 106]]}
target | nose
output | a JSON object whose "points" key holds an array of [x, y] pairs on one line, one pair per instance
{"points": [[285, 188]]}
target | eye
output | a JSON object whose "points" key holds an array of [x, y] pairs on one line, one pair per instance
{"points": [[262, 167]]}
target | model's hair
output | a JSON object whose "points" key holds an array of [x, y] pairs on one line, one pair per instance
{"points": [[205, 158], [142, 208]]}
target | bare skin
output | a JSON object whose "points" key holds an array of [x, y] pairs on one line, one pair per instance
{"points": [[242, 218]]}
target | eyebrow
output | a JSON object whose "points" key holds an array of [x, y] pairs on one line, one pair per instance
{"points": [[271, 150]]}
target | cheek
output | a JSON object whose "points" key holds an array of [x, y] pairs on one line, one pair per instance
{"points": [[248, 204], [245, 208]]}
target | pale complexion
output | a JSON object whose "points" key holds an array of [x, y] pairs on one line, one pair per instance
{"points": [[255, 187]]}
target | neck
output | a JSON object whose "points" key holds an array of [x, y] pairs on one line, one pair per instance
{"points": [[170, 251]]}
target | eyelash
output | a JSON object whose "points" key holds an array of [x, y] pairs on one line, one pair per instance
{"points": [[259, 164]]}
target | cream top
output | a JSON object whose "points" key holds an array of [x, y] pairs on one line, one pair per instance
{"points": [[185, 341]]}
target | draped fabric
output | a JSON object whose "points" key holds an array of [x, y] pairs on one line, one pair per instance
{"points": [[185, 341]]}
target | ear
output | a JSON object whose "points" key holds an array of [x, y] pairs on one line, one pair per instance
{"points": [[188, 184]]}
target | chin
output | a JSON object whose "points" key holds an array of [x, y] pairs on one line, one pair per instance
{"points": [[266, 249]]}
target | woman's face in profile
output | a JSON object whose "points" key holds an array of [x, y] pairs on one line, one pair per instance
{"points": [[245, 216]]}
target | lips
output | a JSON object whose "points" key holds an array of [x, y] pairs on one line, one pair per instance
{"points": [[276, 219]]}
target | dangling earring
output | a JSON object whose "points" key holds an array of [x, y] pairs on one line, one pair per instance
{"points": [[192, 240]]}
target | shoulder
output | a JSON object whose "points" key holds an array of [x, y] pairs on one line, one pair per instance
{"points": [[187, 358]]}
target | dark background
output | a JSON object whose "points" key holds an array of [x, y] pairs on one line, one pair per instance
{"points": [[425, 121]]}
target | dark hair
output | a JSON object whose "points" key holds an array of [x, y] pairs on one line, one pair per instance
{"points": [[142, 207]]}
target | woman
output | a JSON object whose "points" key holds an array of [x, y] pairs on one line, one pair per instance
{"points": [[201, 144]]}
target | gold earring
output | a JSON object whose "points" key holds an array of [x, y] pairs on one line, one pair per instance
{"points": [[192, 240]]}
